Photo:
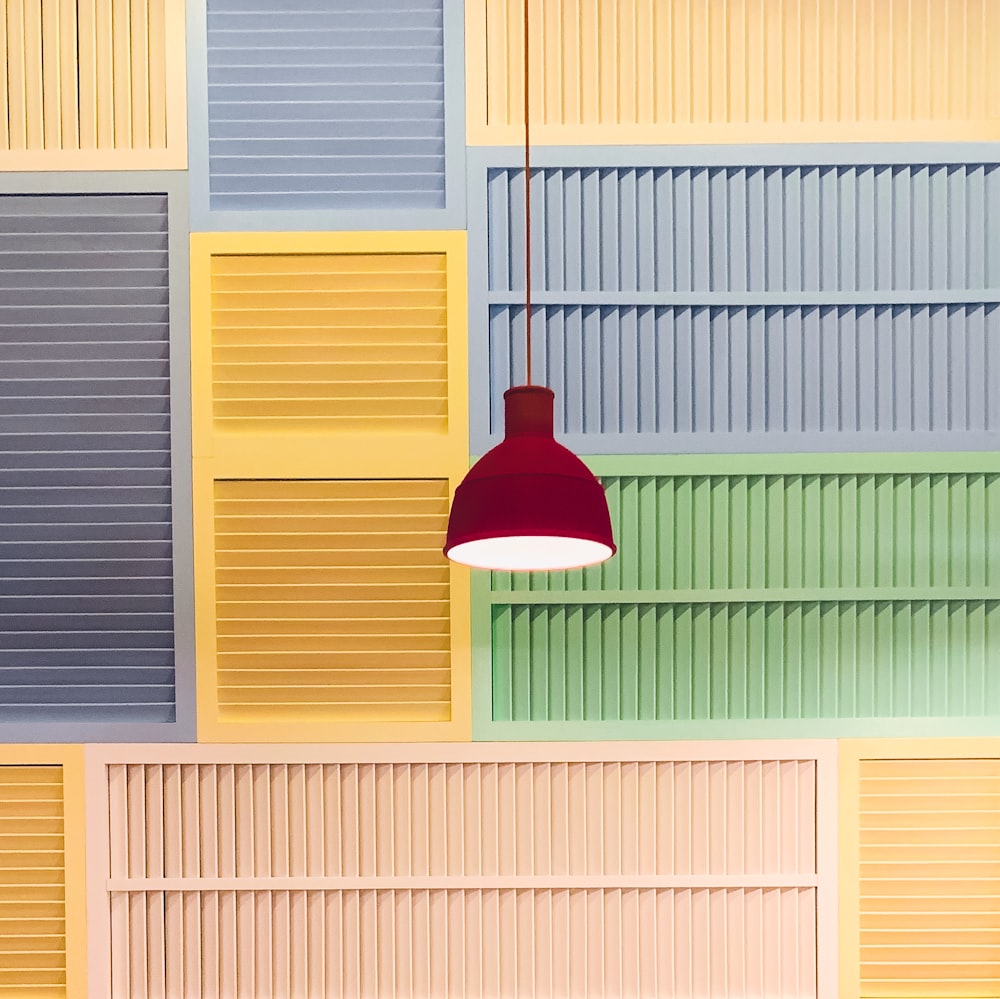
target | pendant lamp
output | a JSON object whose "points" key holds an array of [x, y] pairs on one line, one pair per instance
{"points": [[529, 503]]}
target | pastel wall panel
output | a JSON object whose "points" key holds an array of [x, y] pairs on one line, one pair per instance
{"points": [[919, 856], [93, 84], [715, 307], [86, 529], [808, 594], [649, 71], [41, 873], [330, 427], [548, 871], [350, 110]]}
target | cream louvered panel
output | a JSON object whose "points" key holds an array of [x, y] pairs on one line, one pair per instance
{"points": [[930, 877], [508, 876], [332, 600], [330, 342], [32, 882], [647, 71], [88, 79]]}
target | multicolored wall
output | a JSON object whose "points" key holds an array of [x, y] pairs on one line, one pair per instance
{"points": [[261, 291]]}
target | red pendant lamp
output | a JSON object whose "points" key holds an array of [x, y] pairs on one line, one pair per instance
{"points": [[529, 503]]}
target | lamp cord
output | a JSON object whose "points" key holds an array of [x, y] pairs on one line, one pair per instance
{"points": [[527, 205]]}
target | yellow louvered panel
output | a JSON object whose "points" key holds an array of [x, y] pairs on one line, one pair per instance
{"points": [[92, 84], [929, 850], [650, 71], [335, 343], [332, 601], [32, 882]]}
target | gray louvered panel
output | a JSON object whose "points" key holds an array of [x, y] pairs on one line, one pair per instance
{"points": [[754, 229], [326, 106], [709, 378], [86, 574]]}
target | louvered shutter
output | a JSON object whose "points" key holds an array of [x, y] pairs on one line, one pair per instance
{"points": [[780, 71], [326, 106], [330, 415], [810, 592], [470, 870], [92, 84], [85, 490]]}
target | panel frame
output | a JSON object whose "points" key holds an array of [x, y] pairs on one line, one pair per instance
{"points": [[482, 159], [206, 219], [174, 185], [98, 757], [851, 754], [324, 456], [486, 728]]}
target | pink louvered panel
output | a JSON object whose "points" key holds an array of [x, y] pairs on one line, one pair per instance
{"points": [[539, 878]]}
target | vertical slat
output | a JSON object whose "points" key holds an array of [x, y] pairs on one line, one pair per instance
{"points": [[27, 14], [140, 43]]}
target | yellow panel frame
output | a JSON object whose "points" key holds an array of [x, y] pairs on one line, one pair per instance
{"points": [[70, 758], [174, 104], [732, 82], [852, 752], [220, 455]]}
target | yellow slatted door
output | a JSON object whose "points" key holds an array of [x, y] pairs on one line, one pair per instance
{"points": [[651, 71], [331, 343], [930, 877], [330, 425], [32, 882], [332, 601], [92, 84]]}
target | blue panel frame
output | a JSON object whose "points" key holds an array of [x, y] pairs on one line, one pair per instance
{"points": [[174, 185], [481, 159], [204, 219]]}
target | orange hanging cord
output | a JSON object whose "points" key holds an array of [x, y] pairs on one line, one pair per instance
{"points": [[527, 205]]}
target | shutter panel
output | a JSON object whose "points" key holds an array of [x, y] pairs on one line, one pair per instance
{"points": [[477, 871], [740, 595], [85, 509], [92, 84], [332, 601], [744, 71], [326, 106], [32, 881], [749, 308]]}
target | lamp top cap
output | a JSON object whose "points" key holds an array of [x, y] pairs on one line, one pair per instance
{"points": [[528, 409]]}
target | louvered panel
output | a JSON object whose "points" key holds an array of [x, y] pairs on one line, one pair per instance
{"points": [[739, 70], [452, 875], [32, 882], [637, 661], [711, 378], [480, 943], [827, 228], [86, 612], [726, 534], [930, 873], [326, 107], [330, 342], [92, 84], [332, 600]]}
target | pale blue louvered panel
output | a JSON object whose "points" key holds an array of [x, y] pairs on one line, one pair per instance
{"points": [[697, 374], [833, 228], [86, 566], [318, 105]]}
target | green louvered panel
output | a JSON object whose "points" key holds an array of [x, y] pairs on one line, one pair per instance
{"points": [[801, 659], [773, 589]]}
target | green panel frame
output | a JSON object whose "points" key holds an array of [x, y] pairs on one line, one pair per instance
{"points": [[759, 597]]}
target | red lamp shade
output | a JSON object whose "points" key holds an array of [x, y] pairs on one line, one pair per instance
{"points": [[529, 503]]}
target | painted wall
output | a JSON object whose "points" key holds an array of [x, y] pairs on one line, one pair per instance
{"points": [[261, 290]]}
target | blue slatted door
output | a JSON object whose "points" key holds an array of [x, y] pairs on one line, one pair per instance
{"points": [[751, 308], [86, 587], [327, 106]]}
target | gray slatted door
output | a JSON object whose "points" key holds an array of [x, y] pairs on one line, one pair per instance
{"points": [[86, 578]]}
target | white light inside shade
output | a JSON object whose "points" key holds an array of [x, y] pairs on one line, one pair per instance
{"points": [[525, 553]]}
